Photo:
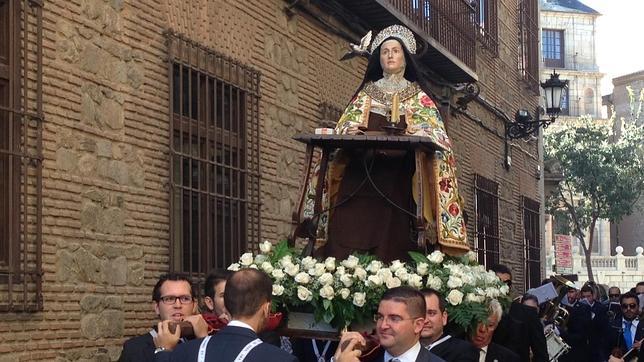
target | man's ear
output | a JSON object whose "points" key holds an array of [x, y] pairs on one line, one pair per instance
{"points": [[210, 304], [419, 324], [156, 308]]}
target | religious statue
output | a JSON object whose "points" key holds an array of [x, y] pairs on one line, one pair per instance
{"points": [[376, 217]]}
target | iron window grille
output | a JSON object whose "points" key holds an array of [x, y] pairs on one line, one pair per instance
{"points": [[532, 242], [487, 221], [488, 29], [214, 153], [21, 117], [529, 43]]}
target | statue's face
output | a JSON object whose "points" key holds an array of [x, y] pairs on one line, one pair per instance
{"points": [[392, 57]]}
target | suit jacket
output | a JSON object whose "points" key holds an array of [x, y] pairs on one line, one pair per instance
{"points": [[498, 353], [577, 333], [520, 330], [138, 349], [598, 330], [456, 350], [615, 336], [225, 346], [303, 349], [423, 356]]}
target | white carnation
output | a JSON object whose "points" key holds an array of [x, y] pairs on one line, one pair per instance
{"points": [[327, 292], [304, 294], [326, 279], [415, 281], [454, 282], [422, 268], [292, 269], [360, 273], [359, 299], [278, 274], [265, 247], [246, 259], [455, 297], [351, 262], [347, 280], [234, 267], [307, 263], [329, 263], [436, 257], [344, 293], [302, 278], [392, 282], [278, 290]]}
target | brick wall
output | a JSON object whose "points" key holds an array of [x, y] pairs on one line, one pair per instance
{"points": [[105, 170]]}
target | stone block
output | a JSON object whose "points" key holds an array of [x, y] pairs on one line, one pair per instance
{"points": [[89, 266], [117, 171], [136, 274], [114, 302], [87, 165], [111, 221], [90, 328], [103, 148], [65, 267], [89, 217], [92, 303], [111, 323], [115, 271], [66, 160]]}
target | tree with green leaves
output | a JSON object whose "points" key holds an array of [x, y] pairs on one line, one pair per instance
{"points": [[603, 176]]}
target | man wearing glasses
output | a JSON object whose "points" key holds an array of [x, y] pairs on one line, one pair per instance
{"points": [[399, 322], [173, 302], [627, 333]]}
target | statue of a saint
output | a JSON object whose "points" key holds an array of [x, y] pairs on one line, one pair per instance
{"points": [[380, 220]]}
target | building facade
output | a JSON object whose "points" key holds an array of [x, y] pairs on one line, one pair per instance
{"points": [[138, 137]]}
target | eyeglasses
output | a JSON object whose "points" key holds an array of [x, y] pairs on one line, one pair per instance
{"points": [[614, 295], [629, 306], [171, 299], [391, 319], [508, 283]]}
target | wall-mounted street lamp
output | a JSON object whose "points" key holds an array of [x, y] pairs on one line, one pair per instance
{"points": [[524, 124]]}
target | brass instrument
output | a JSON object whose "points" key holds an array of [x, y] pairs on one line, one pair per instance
{"points": [[553, 312]]}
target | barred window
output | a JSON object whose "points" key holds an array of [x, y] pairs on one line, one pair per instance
{"points": [[532, 242], [553, 48], [529, 43], [487, 221], [20, 155], [487, 20], [214, 138]]}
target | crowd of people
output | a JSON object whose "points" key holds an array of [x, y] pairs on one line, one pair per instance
{"points": [[411, 325]]}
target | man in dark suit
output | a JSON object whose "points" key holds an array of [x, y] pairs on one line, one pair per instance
{"points": [[598, 324], [482, 338], [627, 332], [576, 332], [247, 298], [399, 322], [174, 301], [433, 337], [520, 329]]}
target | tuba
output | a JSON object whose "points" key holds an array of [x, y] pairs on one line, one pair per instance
{"points": [[553, 312]]}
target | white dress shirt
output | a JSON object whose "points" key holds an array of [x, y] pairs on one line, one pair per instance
{"points": [[482, 354], [235, 323], [409, 356]]}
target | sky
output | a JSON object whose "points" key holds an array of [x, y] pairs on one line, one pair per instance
{"points": [[618, 38]]}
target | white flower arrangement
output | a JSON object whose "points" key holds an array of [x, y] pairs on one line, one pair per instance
{"points": [[341, 292]]}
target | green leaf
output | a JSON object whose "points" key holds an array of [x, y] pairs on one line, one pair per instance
{"points": [[418, 257], [327, 304]]}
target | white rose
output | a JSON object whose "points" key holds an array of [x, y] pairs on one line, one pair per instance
{"points": [[260, 258], [351, 262], [246, 259], [344, 293], [454, 282], [395, 265], [490, 277], [347, 280], [326, 279], [504, 289], [360, 273], [384, 273], [374, 266], [392, 282], [234, 267], [491, 292], [471, 256], [278, 290], [374, 280], [329, 263], [318, 269], [480, 291], [291, 269], [402, 274], [340, 270], [471, 297], [436, 257], [302, 278], [307, 263], [468, 279], [415, 281], [422, 268], [434, 282], [304, 294], [359, 299], [286, 260], [253, 266], [455, 297], [278, 274], [267, 267], [327, 292], [265, 247]]}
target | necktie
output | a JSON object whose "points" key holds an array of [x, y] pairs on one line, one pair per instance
{"points": [[628, 338], [394, 360]]}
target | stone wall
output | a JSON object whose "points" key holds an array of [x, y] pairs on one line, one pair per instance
{"points": [[105, 169]]}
